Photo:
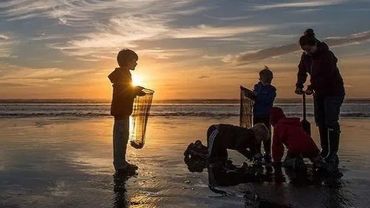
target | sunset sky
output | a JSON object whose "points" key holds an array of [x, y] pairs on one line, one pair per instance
{"points": [[187, 49]]}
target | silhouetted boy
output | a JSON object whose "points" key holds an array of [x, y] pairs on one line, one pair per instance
{"points": [[265, 95], [121, 108]]}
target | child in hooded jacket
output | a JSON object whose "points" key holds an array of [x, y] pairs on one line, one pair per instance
{"points": [[289, 132], [265, 95], [121, 107]]}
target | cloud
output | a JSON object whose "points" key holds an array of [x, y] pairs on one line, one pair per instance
{"points": [[101, 27], [120, 32], [127, 31], [233, 18], [19, 9], [74, 12], [203, 77], [3, 37], [351, 39], [249, 57], [305, 4], [5, 46], [206, 31], [24, 76], [159, 53]]}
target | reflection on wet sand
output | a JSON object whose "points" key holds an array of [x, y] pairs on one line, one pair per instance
{"points": [[120, 192], [225, 174], [68, 163]]}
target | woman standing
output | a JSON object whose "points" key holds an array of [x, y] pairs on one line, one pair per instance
{"points": [[326, 84]]}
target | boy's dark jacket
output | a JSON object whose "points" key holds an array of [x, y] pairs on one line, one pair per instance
{"points": [[322, 67], [264, 99], [123, 93], [229, 135]]}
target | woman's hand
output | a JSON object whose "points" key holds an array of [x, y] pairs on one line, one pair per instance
{"points": [[299, 91], [309, 92]]}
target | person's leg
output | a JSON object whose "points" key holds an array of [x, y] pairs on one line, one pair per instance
{"points": [[332, 111], [314, 156], [118, 153], [216, 150], [211, 138], [323, 132], [319, 109], [267, 143], [257, 120], [294, 161], [125, 138]]}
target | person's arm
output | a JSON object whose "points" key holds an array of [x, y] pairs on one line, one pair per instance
{"points": [[139, 91], [125, 90], [122, 84], [302, 74], [251, 151], [277, 146], [330, 64], [255, 89], [248, 93]]}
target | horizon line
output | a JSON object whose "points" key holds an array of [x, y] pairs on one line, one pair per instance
{"points": [[211, 100]]}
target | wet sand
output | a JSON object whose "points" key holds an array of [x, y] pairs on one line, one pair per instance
{"points": [[53, 162]]}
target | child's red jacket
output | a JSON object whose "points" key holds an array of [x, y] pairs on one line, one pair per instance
{"points": [[289, 132]]}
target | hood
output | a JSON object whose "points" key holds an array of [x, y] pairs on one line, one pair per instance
{"points": [[115, 75], [276, 114], [118, 74]]}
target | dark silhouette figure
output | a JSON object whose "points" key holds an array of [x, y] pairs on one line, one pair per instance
{"points": [[122, 106], [120, 192], [327, 87], [224, 136], [264, 96], [224, 173], [221, 175]]}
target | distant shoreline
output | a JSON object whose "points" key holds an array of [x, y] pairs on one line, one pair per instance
{"points": [[175, 101]]}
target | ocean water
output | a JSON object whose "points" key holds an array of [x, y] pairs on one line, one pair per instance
{"points": [[192, 109]]}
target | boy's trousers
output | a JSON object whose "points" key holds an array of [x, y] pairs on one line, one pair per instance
{"points": [[121, 131]]}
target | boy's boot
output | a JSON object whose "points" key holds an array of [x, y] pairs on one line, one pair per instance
{"points": [[323, 141], [131, 166]]}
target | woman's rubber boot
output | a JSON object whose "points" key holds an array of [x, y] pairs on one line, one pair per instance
{"points": [[332, 158], [324, 141]]}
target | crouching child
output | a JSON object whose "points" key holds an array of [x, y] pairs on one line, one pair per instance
{"points": [[246, 141], [289, 132]]}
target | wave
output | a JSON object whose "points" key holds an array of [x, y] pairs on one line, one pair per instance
{"points": [[217, 110], [157, 114]]}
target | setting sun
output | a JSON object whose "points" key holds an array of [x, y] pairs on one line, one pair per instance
{"points": [[137, 80]]}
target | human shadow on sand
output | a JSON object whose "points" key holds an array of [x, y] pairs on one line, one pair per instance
{"points": [[223, 174], [120, 192]]}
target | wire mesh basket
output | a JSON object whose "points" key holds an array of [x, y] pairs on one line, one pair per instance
{"points": [[139, 118], [246, 107]]}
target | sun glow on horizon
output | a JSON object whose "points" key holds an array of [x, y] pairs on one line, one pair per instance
{"points": [[137, 80]]}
